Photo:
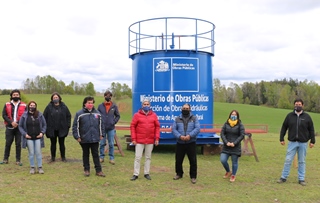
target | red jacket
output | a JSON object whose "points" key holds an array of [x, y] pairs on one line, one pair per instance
{"points": [[145, 129], [7, 115]]}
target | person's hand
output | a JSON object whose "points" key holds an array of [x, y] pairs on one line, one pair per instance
{"points": [[183, 138], [101, 137], [188, 137], [311, 145], [28, 136], [282, 143], [134, 142], [229, 144], [40, 135], [14, 124], [79, 139], [156, 142]]}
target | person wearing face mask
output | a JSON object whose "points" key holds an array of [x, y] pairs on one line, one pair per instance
{"points": [[300, 130], [145, 132], [58, 118], [110, 115], [32, 127], [232, 133], [11, 114], [88, 130], [185, 128]]}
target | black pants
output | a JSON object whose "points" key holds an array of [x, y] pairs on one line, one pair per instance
{"points": [[94, 147], [181, 151], [53, 146], [13, 134]]}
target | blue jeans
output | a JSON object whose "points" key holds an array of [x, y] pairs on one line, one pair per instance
{"points": [[224, 160], [293, 148], [110, 136], [34, 148]]}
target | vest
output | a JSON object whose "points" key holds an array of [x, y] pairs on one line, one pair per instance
{"points": [[21, 108]]}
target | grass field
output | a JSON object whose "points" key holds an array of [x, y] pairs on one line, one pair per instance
{"points": [[256, 181]]}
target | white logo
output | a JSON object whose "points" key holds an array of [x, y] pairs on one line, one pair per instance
{"points": [[162, 66]]}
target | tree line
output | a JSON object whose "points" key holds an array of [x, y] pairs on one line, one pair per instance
{"points": [[276, 94], [48, 84]]}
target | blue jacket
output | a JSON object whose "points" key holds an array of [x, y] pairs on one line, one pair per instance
{"points": [[88, 126], [186, 126], [111, 118], [23, 128]]}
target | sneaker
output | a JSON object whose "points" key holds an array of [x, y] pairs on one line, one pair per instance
{"points": [[193, 180], [19, 163], [281, 180], [177, 177], [32, 171], [227, 175], [87, 173], [101, 160], [302, 182], [5, 161], [112, 162], [101, 174], [232, 178], [40, 170]]}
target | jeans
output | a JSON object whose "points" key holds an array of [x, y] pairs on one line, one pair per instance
{"points": [[110, 136], [181, 151], [12, 134], [34, 148], [138, 155], [94, 147], [224, 160], [293, 148], [53, 147]]}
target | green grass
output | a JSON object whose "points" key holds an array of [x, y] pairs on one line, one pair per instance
{"points": [[256, 181]]}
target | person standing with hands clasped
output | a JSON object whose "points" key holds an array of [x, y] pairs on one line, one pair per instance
{"points": [[300, 130], [11, 114], [232, 133], [185, 128], [145, 132], [88, 130], [58, 118], [110, 115], [32, 127]]}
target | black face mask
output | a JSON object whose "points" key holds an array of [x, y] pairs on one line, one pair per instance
{"points": [[32, 109], [107, 99], [15, 99], [185, 112], [298, 108]]}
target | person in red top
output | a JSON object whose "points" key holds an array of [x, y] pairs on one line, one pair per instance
{"points": [[11, 114], [145, 132]]}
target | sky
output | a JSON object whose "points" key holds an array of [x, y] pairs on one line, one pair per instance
{"points": [[87, 40]]}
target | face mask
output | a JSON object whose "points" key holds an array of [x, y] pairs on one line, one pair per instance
{"points": [[89, 106], [32, 109], [107, 99], [298, 108], [55, 101], [15, 99], [146, 108], [232, 117], [185, 112]]}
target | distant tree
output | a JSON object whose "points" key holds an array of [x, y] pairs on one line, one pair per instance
{"points": [[89, 89]]}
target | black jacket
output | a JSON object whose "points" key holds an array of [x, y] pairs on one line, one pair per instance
{"points": [[233, 134], [111, 118], [64, 119], [300, 128]]}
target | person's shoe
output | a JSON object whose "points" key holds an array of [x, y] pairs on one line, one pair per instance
{"points": [[193, 180], [101, 174], [101, 160], [227, 175], [32, 171], [112, 162], [87, 173], [147, 176], [64, 160], [134, 177], [5, 161], [281, 180], [232, 178], [302, 182], [51, 160], [177, 177], [40, 170], [19, 163]]}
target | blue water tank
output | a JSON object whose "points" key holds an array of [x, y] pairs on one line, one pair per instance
{"points": [[171, 66]]}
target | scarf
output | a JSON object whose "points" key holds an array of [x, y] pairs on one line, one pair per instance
{"points": [[232, 123]]}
